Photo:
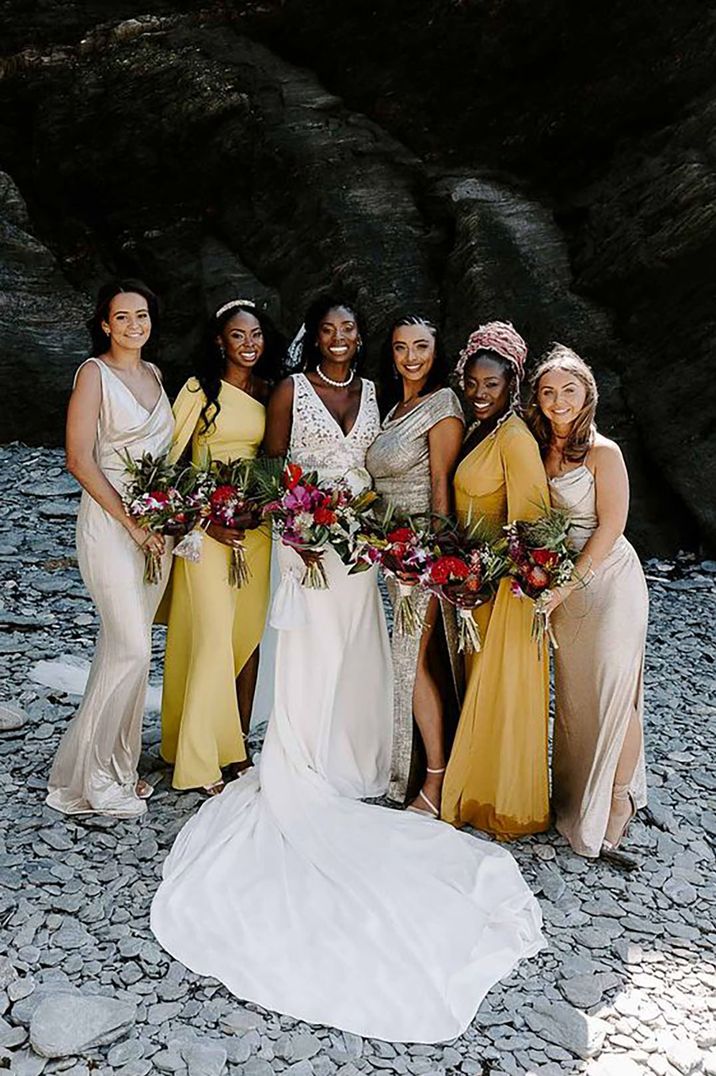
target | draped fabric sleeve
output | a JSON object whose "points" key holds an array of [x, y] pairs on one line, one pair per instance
{"points": [[444, 404], [187, 410], [525, 478]]}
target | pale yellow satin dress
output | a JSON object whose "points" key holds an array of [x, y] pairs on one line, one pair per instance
{"points": [[497, 776], [95, 768], [213, 627]]}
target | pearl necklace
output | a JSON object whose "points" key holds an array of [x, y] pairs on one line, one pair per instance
{"points": [[335, 384]]}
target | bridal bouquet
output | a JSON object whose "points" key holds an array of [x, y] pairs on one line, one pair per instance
{"points": [[466, 574], [309, 516], [539, 560], [230, 491], [405, 549], [159, 498]]}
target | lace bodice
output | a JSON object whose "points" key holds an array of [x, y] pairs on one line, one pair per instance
{"points": [[318, 442]]}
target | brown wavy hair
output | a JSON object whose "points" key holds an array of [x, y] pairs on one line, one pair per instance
{"points": [[583, 432]]}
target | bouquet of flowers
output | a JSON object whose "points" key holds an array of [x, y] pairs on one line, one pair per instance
{"points": [[405, 549], [239, 488], [539, 560], [154, 498], [309, 516], [466, 573]]}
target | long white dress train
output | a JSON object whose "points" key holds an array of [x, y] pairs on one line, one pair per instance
{"points": [[298, 896]]}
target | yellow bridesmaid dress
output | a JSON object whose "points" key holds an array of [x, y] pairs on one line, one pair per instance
{"points": [[497, 776], [213, 627]]}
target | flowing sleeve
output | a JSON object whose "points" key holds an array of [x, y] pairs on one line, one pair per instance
{"points": [[444, 404], [527, 489], [187, 409]]}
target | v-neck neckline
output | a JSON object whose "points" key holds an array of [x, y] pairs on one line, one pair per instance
{"points": [[149, 410], [332, 417], [243, 391], [390, 418]]}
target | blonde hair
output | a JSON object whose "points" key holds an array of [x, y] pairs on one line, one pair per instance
{"points": [[583, 432]]}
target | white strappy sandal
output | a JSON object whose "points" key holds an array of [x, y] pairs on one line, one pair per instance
{"points": [[434, 811]]}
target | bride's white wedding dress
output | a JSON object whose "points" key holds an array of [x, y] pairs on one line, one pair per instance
{"points": [[298, 896]]}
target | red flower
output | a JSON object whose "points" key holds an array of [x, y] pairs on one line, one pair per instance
{"points": [[292, 475], [448, 570], [401, 535], [537, 577], [223, 495], [324, 516], [546, 558], [159, 496]]}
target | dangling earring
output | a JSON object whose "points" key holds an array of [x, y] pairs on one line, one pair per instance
{"points": [[396, 375]]}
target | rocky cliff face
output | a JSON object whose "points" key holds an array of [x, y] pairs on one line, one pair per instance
{"points": [[487, 159]]}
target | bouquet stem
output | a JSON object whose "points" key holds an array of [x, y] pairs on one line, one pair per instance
{"points": [[314, 577], [152, 567], [406, 620], [238, 567], [468, 633]]}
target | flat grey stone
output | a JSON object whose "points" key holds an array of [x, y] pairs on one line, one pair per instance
{"points": [[302, 1046], [8, 972], [684, 1055], [560, 1023], [12, 717], [66, 1025], [584, 991], [27, 1063], [240, 1020], [123, 1052], [204, 1060], [11, 1036]]}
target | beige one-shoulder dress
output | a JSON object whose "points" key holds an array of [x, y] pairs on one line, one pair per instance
{"points": [[598, 675]]}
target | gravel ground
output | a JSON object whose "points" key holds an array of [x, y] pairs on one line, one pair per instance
{"points": [[627, 985]]}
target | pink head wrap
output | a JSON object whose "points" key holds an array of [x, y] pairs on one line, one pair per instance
{"points": [[498, 336]]}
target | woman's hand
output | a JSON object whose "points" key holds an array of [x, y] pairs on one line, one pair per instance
{"points": [[462, 596], [552, 599], [226, 535], [148, 541]]}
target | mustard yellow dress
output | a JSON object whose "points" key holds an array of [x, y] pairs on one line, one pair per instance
{"points": [[497, 776], [213, 627]]}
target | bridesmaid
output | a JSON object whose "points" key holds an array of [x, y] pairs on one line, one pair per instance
{"points": [[497, 776], [117, 404], [411, 462], [214, 628], [599, 620]]}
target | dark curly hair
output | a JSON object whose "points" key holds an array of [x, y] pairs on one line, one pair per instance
{"points": [[210, 366], [390, 381], [312, 322], [105, 295]]}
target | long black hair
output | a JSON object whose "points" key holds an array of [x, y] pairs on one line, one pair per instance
{"points": [[210, 366], [391, 386], [312, 323], [105, 295]]}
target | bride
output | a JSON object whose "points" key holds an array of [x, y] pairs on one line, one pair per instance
{"points": [[286, 887]]}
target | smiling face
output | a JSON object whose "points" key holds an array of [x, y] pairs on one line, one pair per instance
{"points": [[338, 337], [561, 396], [242, 340], [487, 387], [413, 352], [128, 323]]}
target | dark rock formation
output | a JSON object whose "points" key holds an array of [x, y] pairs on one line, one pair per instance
{"points": [[519, 162]]}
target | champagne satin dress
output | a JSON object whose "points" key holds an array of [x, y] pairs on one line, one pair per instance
{"points": [[497, 777], [598, 675], [213, 627], [95, 768]]}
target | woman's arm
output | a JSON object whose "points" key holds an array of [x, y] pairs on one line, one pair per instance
{"points": [[279, 417], [81, 432], [444, 443]]}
